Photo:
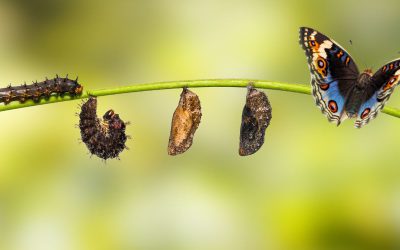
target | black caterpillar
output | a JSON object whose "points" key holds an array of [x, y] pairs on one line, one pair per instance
{"points": [[37, 90], [103, 137]]}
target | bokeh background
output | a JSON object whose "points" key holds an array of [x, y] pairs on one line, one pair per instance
{"points": [[311, 186]]}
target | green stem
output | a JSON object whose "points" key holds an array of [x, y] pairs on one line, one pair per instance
{"points": [[240, 83]]}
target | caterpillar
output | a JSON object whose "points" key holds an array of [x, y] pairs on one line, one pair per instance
{"points": [[256, 117], [185, 121], [104, 137], [59, 86]]}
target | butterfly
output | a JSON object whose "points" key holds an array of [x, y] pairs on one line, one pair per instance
{"points": [[339, 89]]}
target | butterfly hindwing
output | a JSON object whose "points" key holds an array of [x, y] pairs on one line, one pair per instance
{"points": [[331, 101], [333, 73], [383, 83]]}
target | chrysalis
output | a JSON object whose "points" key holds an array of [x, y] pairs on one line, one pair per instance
{"points": [[256, 116], [185, 121], [103, 137]]}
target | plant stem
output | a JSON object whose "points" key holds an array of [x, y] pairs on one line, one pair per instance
{"points": [[240, 83]]}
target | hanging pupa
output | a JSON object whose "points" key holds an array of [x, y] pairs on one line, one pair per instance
{"points": [[256, 117], [185, 121]]}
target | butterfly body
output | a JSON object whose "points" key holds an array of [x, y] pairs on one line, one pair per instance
{"points": [[337, 86], [357, 95]]}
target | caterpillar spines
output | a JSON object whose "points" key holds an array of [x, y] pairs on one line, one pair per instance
{"points": [[37, 90], [104, 137]]}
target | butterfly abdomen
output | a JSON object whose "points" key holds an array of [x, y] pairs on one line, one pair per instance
{"points": [[359, 94], [354, 102]]}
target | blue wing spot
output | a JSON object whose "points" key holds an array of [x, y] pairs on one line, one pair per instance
{"points": [[365, 113], [332, 106], [324, 87]]}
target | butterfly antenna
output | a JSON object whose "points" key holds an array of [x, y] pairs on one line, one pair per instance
{"points": [[362, 62]]}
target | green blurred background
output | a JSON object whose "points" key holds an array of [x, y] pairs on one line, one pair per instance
{"points": [[311, 186]]}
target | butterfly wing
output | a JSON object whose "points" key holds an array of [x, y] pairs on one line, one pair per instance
{"points": [[333, 73], [382, 85]]}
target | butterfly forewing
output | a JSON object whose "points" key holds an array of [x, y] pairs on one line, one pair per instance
{"points": [[333, 73]]}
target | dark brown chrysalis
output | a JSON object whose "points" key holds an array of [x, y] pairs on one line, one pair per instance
{"points": [[37, 90], [103, 137], [256, 117], [185, 121]]}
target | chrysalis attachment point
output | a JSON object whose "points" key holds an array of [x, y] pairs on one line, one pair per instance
{"points": [[256, 117], [103, 137], [185, 121]]}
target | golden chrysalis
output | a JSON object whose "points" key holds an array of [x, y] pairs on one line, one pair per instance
{"points": [[185, 121]]}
